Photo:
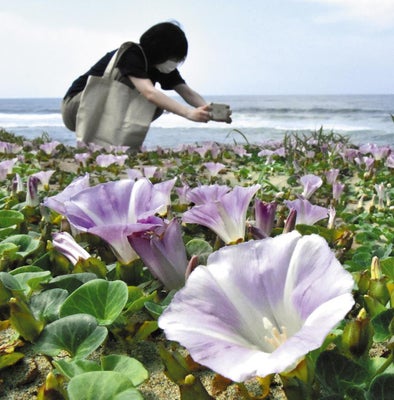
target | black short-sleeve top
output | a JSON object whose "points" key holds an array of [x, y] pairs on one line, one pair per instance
{"points": [[131, 63]]}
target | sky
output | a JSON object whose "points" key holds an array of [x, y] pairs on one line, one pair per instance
{"points": [[253, 47]]}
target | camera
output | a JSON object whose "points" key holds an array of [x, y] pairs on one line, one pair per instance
{"points": [[220, 112]]}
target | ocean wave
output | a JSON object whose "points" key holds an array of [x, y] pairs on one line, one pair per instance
{"points": [[309, 111]]}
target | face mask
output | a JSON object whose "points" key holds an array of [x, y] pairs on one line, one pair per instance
{"points": [[167, 66]]}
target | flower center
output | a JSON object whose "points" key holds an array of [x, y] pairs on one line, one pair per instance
{"points": [[278, 337]]}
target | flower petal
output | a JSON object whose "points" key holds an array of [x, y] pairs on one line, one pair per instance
{"points": [[248, 284]]}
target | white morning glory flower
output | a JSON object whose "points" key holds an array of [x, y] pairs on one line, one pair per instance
{"points": [[259, 307]]}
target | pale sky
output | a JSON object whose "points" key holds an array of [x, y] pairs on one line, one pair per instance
{"points": [[235, 47]]}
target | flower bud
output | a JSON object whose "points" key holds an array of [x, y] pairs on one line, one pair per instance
{"points": [[357, 335], [378, 283]]}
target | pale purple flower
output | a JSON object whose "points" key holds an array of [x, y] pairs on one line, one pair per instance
{"points": [[162, 250], [50, 148], [10, 148], [310, 154], [202, 150], [82, 158], [93, 147], [44, 177], [56, 202], [17, 184], [365, 162], [6, 167], [378, 152], [381, 192], [349, 154], [337, 190], [215, 149], [182, 193], [114, 210], [310, 184], [214, 168], [225, 216], [381, 152], [32, 199], [258, 317], [307, 213], [241, 151], [105, 160], [267, 153], [64, 243], [134, 173], [265, 216], [150, 171], [390, 161], [332, 175], [331, 217], [206, 193]]}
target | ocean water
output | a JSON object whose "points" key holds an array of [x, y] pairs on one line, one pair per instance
{"points": [[362, 118]]}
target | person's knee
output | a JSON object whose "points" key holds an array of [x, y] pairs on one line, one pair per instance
{"points": [[69, 112]]}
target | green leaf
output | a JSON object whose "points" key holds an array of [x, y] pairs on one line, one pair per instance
{"points": [[381, 388], [10, 217], [71, 282], [78, 334], [26, 244], [7, 360], [387, 266], [46, 305], [337, 374], [100, 298], [381, 324], [199, 248], [7, 249], [102, 385], [30, 281], [129, 367], [75, 367]]}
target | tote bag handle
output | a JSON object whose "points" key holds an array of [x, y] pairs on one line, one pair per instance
{"points": [[115, 58]]}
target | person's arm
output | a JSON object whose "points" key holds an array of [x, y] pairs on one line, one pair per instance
{"points": [[147, 89], [189, 95]]}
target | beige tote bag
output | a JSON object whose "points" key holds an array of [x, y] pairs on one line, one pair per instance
{"points": [[112, 113]]}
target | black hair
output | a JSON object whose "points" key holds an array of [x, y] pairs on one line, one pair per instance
{"points": [[164, 41]]}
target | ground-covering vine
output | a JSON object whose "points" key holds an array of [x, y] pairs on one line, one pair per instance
{"points": [[97, 245]]}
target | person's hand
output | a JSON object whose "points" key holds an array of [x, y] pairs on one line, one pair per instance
{"points": [[199, 114]]}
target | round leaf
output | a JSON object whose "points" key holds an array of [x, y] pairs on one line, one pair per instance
{"points": [[10, 217], [103, 299], [26, 244], [77, 334], [102, 385], [129, 367]]}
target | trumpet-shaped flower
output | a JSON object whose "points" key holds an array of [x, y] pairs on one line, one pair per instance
{"points": [[50, 148], [310, 184], [44, 177], [262, 308], [225, 216], [105, 160], [214, 168], [307, 213], [164, 253], [56, 202], [265, 216], [206, 194], [114, 210]]}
